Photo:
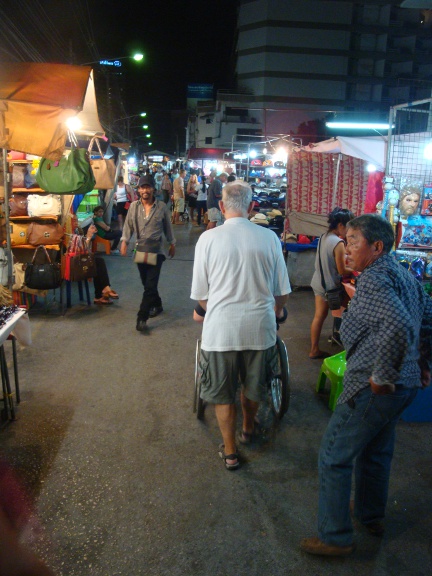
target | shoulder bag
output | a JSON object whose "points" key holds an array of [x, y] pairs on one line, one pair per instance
{"points": [[18, 233], [18, 205], [70, 175], [80, 262], [146, 251], [39, 233], [46, 276], [103, 169], [43, 205], [334, 296]]}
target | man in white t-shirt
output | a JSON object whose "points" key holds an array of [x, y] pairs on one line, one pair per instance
{"points": [[240, 278]]}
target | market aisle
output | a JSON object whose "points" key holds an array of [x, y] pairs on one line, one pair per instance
{"points": [[128, 482]]}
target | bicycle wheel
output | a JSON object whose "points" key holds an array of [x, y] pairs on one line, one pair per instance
{"points": [[198, 403], [279, 383]]}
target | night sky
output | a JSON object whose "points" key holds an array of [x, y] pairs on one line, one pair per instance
{"points": [[183, 42]]}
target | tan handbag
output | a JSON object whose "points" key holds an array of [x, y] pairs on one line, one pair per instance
{"points": [[18, 233], [39, 234], [103, 169], [145, 258]]}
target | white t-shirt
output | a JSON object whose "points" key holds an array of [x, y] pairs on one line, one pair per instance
{"points": [[121, 194], [239, 268]]}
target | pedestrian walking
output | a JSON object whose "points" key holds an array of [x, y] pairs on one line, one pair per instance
{"points": [[240, 278], [149, 219]]}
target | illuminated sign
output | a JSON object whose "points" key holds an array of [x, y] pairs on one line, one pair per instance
{"points": [[200, 91], [110, 62]]}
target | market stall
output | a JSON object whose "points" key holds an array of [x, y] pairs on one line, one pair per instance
{"points": [[37, 100]]}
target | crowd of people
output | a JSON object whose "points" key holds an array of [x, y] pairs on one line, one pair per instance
{"points": [[241, 284]]}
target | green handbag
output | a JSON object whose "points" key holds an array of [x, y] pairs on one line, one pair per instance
{"points": [[72, 175]]}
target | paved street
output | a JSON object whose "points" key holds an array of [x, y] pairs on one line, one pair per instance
{"points": [[127, 481]]}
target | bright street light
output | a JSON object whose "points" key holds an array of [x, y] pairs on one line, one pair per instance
{"points": [[148, 135], [359, 125], [145, 126]]}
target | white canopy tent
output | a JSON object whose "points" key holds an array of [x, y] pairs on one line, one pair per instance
{"points": [[371, 149]]}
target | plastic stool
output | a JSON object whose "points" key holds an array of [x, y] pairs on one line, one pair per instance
{"points": [[98, 240], [332, 368], [80, 292]]}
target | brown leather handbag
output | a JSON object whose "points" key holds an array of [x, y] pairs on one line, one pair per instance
{"points": [[18, 205], [39, 234]]}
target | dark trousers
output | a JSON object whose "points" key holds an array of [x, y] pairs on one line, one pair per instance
{"points": [[150, 278], [201, 205], [101, 280], [114, 235]]}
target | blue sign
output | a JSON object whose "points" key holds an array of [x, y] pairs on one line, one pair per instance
{"points": [[110, 63], [200, 91]]}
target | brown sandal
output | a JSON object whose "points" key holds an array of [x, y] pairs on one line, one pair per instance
{"points": [[110, 294], [102, 301]]}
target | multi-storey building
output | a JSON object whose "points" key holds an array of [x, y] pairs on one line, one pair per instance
{"points": [[300, 60]]}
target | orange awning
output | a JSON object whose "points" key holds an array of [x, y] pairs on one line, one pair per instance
{"points": [[35, 101]]}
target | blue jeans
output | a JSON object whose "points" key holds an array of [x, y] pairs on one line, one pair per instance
{"points": [[360, 430]]}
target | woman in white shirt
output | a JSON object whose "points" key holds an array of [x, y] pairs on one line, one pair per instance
{"points": [[123, 197], [201, 203]]}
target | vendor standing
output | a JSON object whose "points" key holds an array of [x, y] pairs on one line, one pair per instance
{"points": [[387, 335]]}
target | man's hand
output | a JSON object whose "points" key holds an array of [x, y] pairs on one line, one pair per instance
{"points": [[171, 251], [381, 390], [123, 249]]}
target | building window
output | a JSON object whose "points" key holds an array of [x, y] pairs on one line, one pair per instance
{"points": [[209, 140]]}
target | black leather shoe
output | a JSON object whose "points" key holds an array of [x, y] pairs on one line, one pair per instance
{"points": [[141, 325], [155, 311]]}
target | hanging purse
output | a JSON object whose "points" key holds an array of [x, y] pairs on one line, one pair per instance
{"points": [[45, 276], [80, 263], [39, 233], [71, 175], [103, 169], [46, 205]]}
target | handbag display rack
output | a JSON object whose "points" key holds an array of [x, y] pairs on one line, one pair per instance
{"points": [[33, 221]]}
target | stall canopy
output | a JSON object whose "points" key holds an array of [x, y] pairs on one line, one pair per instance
{"points": [[35, 101], [371, 149], [333, 173]]}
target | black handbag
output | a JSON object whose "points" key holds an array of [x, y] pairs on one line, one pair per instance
{"points": [[46, 276]]}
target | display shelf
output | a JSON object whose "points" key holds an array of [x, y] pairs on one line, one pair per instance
{"points": [[31, 247], [34, 218], [29, 190]]}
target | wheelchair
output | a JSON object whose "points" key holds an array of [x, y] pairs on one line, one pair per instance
{"points": [[278, 386]]}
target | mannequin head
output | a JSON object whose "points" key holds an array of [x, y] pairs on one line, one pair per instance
{"points": [[409, 200]]}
